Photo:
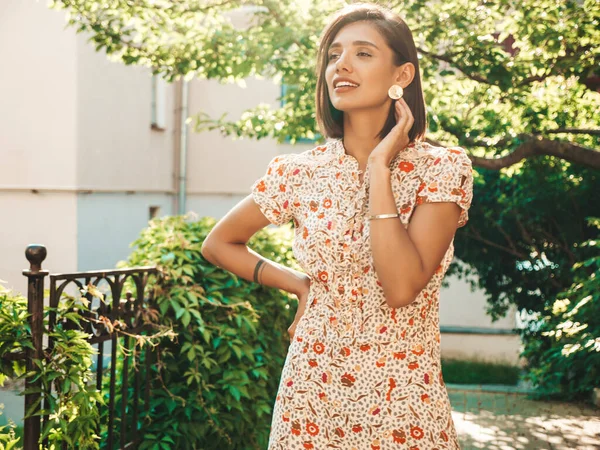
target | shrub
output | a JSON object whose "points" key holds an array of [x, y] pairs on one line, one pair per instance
{"points": [[66, 384], [73, 415], [9, 434], [216, 385], [479, 372]]}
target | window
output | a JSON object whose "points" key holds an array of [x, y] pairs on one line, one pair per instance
{"points": [[158, 120], [153, 212]]}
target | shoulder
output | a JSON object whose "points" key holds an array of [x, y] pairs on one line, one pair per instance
{"points": [[456, 161], [453, 158], [426, 156]]}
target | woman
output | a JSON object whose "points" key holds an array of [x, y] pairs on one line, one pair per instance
{"points": [[375, 212]]}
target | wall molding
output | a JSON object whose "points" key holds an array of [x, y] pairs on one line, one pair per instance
{"points": [[451, 329], [81, 190]]}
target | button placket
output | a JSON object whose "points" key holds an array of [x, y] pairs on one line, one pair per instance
{"points": [[352, 235], [352, 243], [349, 234], [352, 314]]}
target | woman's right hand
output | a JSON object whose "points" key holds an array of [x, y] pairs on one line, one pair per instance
{"points": [[302, 295]]}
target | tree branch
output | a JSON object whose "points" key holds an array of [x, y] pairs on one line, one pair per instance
{"points": [[534, 145], [472, 232], [448, 60], [591, 132], [506, 236]]}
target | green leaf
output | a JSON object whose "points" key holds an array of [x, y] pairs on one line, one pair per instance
{"points": [[235, 392], [185, 318]]}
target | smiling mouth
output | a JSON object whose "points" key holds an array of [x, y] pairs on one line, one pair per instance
{"points": [[344, 86]]}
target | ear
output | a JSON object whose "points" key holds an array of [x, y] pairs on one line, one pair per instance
{"points": [[405, 74]]}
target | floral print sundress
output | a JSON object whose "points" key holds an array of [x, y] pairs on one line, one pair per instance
{"points": [[360, 375]]}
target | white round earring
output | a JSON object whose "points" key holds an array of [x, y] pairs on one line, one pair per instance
{"points": [[396, 92]]}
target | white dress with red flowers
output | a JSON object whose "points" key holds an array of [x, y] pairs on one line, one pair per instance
{"points": [[359, 374]]}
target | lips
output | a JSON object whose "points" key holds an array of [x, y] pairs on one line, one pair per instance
{"points": [[344, 87], [340, 83]]}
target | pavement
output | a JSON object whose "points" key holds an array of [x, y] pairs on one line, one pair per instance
{"points": [[503, 418]]}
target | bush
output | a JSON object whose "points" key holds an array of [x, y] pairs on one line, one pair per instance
{"points": [[479, 372], [10, 435], [216, 385], [64, 373], [563, 346]]}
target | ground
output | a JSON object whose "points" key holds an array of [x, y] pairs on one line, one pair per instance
{"points": [[505, 420]]}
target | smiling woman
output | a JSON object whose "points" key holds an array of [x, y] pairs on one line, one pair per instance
{"points": [[363, 368]]}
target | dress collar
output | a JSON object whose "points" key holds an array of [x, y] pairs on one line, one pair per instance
{"points": [[416, 149]]}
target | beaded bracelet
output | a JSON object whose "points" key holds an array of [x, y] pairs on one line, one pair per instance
{"points": [[383, 216]]}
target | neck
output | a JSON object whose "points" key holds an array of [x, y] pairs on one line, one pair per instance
{"points": [[361, 129]]}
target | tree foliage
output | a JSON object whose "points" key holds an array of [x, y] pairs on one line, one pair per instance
{"points": [[514, 82], [563, 348], [500, 77]]}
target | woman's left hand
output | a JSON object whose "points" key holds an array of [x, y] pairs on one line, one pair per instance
{"points": [[397, 139]]}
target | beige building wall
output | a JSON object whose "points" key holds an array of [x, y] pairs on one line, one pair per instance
{"points": [[469, 333], [38, 112], [81, 165], [222, 169], [38, 120], [45, 218], [117, 149], [482, 347]]}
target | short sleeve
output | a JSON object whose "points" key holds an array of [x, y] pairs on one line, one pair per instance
{"points": [[449, 179], [273, 192]]}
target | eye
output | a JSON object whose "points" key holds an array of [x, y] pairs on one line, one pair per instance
{"points": [[359, 53]]}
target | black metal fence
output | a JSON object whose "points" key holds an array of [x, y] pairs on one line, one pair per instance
{"points": [[116, 305]]}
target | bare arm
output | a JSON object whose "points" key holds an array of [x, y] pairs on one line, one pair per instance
{"points": [[225, 246], [406, 259], [271, 200]]}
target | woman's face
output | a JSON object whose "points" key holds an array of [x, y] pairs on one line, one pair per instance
{"points": [[360, 55]]}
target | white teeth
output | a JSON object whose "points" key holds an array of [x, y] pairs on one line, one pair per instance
{"points": [[345, 83]]}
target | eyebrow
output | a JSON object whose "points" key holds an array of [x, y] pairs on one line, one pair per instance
{"points": [[355, 43]]}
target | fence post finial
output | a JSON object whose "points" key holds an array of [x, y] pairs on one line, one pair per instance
{"points": [[35, 254]]}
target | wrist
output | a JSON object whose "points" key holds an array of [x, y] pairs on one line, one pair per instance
{"points": [[300, 285], [378, 163]]}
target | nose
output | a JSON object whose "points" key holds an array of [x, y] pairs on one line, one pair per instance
{"points": [[343, 63]]}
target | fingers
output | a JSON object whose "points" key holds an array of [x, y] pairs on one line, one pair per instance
{"points": [[398, 110], [399, 116], [406, 120], [409, 115]]}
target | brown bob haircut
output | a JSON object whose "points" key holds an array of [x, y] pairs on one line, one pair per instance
{"points": [[399, 38]]}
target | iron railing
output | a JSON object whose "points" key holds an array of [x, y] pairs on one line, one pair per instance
{"points": [[116, 305]]}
